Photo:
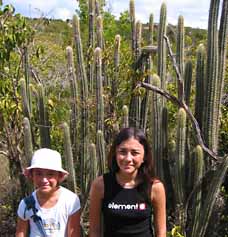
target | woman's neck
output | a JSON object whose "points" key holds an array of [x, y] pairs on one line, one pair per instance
{"points": [[127, 180]]}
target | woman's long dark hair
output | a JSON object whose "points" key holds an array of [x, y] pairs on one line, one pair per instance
{"points": [[146, 171]]}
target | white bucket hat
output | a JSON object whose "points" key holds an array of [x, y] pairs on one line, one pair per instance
{"points": [[45, 158]]}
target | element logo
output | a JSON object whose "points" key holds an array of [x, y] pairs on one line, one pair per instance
{"points": [[137, 206]]}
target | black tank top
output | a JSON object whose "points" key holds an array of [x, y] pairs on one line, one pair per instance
{"points": [[126, 212]]}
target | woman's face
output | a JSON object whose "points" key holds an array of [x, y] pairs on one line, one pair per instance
{"points": [[129, 156]]}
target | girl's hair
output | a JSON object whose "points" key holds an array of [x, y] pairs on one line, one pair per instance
{"points": [[146, 171]]}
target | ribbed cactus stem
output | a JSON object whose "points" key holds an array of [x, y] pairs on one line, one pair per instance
{"points": [[69, 160], [133, 27], [75, 98], [91, 42], [180, 164], [162, 46], [151, 29], [25, 102], [100, 40], [209, 128], [125, 123], [101, 152], [146, 99], [116, 67], [156, 126], [45, 140], [25, 58], [28, 145], [213, 190], [198, 165], [200, 82], [180, 45], [138, 40], [99, 89], [187, 81], [223, 32], [93, 161], [84, 100]]}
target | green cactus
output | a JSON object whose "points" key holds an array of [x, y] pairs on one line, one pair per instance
{"points": [[151, 29], [25, 102], [187, 82], [28, 144], [84, 101], [180, 45], [125, 123], [44, 126], [133, 26], [162, 46], [69, 160], [101, 152], [75, 99], [146, 99], [198, 165], [180, 166], [209, 124], [99, 90], [200, 76]]}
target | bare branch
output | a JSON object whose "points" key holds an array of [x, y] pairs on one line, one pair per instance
{"points": [[183, 105]]}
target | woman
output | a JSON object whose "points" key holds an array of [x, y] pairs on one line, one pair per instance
{"points": [[129, 194]]}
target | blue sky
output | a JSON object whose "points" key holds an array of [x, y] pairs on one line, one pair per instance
{"points": [[195, 12]]}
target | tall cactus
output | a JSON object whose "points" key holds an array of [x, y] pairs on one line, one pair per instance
{"points": [[209, 127], [84, 99], [180, 167], [71, 180], [44, 127], [200, 81], [75, 99], [198, 165], [162, 46], [101, 152], [25, 100], [91, 43], [99, 90]]}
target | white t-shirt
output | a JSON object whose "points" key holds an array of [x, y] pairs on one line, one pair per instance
{"points": [[54, 219]]}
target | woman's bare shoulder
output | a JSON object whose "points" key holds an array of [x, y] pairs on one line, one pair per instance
{"points": [[98, 185], [157, 190]]}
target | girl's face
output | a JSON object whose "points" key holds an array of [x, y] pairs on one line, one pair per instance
{"points": [[45, 180], [129, 156]]}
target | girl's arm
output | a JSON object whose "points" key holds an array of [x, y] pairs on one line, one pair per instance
{"points": [[73, 227], [96, 196], [159, 204], [22, 228]]}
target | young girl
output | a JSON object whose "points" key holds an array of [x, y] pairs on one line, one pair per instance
{"points": [[58, 207], [129, 194]]}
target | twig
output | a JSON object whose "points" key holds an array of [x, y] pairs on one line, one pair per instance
{"points": [[183, 105]]}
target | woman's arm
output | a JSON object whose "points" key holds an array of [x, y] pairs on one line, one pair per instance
{"points": [[96, 196], [22, 228], [158, 199], [73, 227]]}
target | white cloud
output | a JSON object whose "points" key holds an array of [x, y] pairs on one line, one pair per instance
{"points": [[195, 12]]}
